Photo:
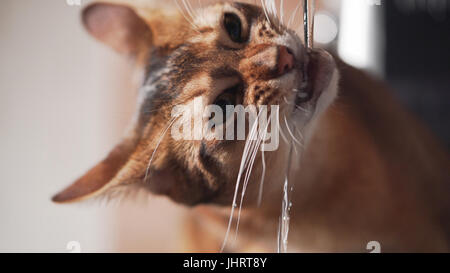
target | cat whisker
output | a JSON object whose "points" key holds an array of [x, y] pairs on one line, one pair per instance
{"points": [[290, 132], [300, 134], [283, 135], [188, 16], [266, 13], [302, 139], [172, 121], [190, 9], [281, 11], [287, 102], [263, 171], [272, 8], [187, 9], [302, 109], [254, 151], [287, 126], [247, 147], [292, 18]]}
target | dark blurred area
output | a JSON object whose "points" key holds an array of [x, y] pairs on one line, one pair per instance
{"points": [[417, 59]]}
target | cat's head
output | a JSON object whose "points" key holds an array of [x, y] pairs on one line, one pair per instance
{"points": [[224, 54]]}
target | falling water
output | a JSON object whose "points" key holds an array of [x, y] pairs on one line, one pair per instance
{"points": [[283, 227]]}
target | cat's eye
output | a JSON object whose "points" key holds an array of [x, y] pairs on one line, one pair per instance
{"points": [[233, 26], [228, 97]]}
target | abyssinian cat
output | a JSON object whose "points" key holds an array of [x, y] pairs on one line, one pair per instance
{"points": [[362, 169]]}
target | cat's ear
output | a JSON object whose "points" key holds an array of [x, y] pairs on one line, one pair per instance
{"points": [[118, 26], [101, 176], [125, 165]]}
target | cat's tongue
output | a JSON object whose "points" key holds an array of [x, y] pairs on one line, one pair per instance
{"points": [[319, 69]]}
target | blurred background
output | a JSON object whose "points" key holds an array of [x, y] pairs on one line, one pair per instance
{"points": [[65, 100]]}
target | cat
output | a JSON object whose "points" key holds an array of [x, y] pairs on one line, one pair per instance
{"points": [[361, 168]]}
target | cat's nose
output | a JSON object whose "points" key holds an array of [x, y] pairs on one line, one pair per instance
{"points": [[285, 60]]}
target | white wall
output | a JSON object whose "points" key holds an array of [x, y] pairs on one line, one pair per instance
{"points": [[54, 124]]}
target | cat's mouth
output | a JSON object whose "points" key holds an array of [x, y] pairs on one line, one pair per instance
{"points": [[316, 72]]}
